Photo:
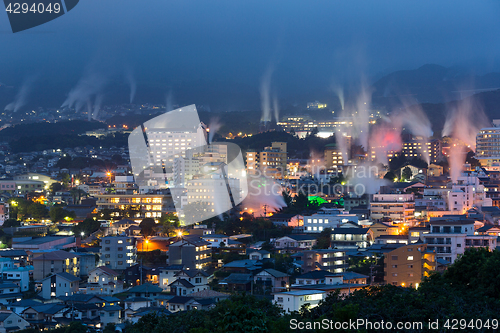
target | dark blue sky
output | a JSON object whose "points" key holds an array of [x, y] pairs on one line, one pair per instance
{"points": [[310, 44]]}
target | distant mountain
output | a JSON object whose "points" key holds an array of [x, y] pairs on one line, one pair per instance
{"points": [[431, 84]]}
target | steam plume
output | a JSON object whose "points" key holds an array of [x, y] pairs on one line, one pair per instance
{"points": [[129, 76], [21, 98], [214, 126], [463, 121], [265, 91], [90, 85], [276, 108]]}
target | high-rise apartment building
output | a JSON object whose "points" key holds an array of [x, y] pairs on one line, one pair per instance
{"points": [[271, 161], [488, 145]]}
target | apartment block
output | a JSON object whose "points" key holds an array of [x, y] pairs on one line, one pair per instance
{"points": [[118, 252], [399, 208], [407, 265]]}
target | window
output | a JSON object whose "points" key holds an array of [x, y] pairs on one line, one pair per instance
{"points": [[280, 299], [394, 257], [410, 250], [107, 241], [409, 258], [459, 245], [394, 274], [394, 266]]}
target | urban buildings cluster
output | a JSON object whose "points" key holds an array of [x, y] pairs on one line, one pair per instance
{"points": [[138, 259]]}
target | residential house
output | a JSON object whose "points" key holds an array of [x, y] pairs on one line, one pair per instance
{"points": [[237, 282], [44, 314], [49, 263], [291, 301], [60, 284], [146, 290], [104, 280], [168, 275], [271, 280], [295, 243], [258, 254], [188, 282], [351, 237], [9, 293], [216, 240], [11, 321], [110, 314], [183, 303]]}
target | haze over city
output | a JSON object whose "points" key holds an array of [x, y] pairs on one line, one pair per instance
{"points": [[241, 166]]}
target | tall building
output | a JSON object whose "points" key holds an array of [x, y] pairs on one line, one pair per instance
{"points": [[271, 161], [145, 205], [118, 252], [399, 208], [423, 148], [407, 265], [488, 145], [334, 157]]}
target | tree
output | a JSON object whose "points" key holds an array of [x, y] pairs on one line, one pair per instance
{"points": [[406, 174], [87, 226], [11, 223], [55, 187], [147, 226], [324, 239], [37, 210], [110, 328], [169, 223], [390, 176], [58, 213]]}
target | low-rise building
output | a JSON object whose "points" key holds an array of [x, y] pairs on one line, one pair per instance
{"points": [[49, 263], [60, 284], [291, 301]]}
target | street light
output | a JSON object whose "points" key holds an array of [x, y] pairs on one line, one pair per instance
{"points": [[82, 233]]}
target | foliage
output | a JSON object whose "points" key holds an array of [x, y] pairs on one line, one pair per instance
{"points": [[87, 226], [390, 175], [147, 226], [240, 313], [406, 173], [324, 239], [11, 223], [58, 213]]}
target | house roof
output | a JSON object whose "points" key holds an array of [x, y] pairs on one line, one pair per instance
{"points": [[145, 288], [106, 270], [275, 273], [125, 222], [347, 275], [319, 274], [64, 275], [180, 299], [237, 278], [240, 263], [207, 293], [452, 222], [108, 308], [56, 255], [192, 272], [300, 237], [350, 231], [154, 309], [136, 299], [25, 303], [184, 282], [13, 253], [47, 308]]}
